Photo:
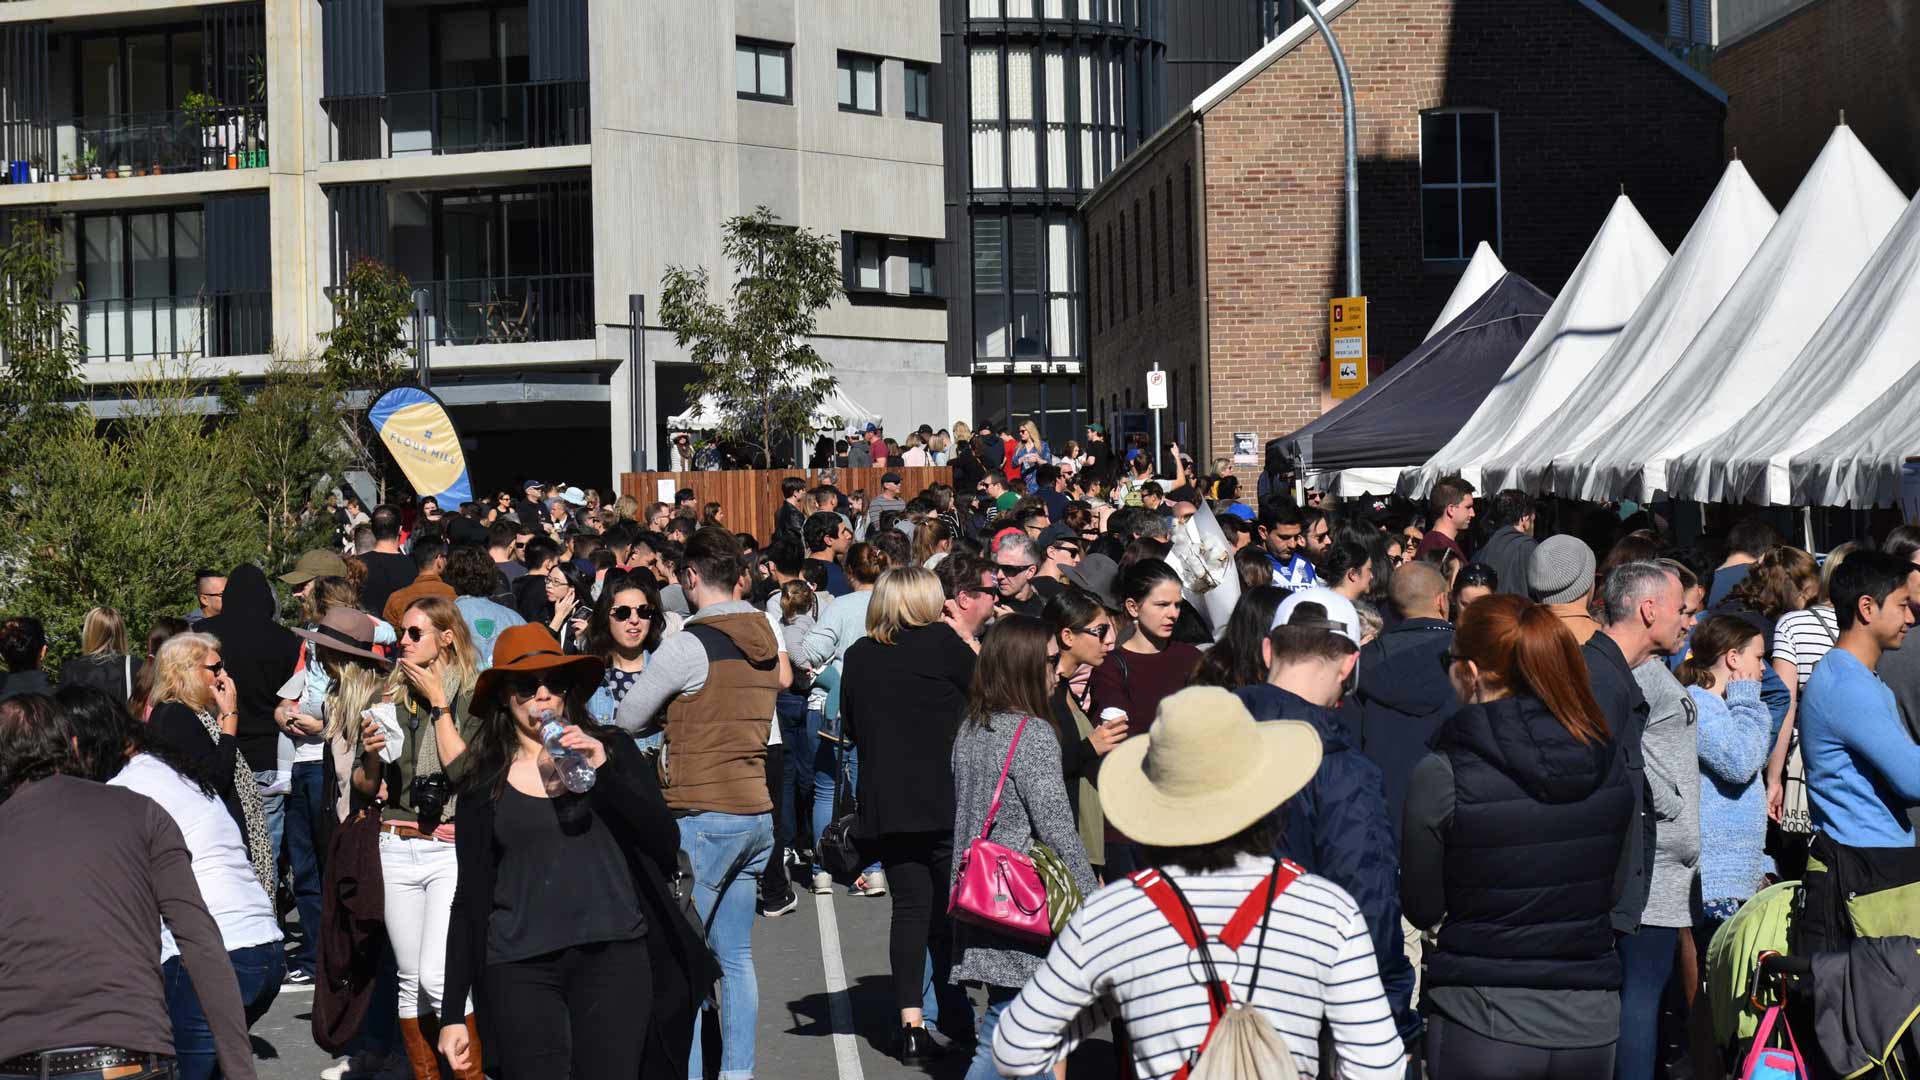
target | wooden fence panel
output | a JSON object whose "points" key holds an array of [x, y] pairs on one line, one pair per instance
{"points": [[751, 497]]}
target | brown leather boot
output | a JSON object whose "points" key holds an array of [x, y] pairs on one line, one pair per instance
{"points": [[422, 1053], [473, 1042]]}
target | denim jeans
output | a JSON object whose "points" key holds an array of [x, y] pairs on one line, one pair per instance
{"points": [[305, 807], [998, 998], [800, 735], [715, 844], [1647, 961], [258, 969], [275, 807]]}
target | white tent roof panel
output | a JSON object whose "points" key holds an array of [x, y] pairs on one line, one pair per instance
{"points": [[1867, 343], [1613, 277], [1482, 273], [1844, 208]]}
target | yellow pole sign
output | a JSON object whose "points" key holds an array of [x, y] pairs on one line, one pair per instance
{"points": [[1347, 328]]}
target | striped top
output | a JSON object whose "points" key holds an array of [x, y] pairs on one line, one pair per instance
{"points": [[1801, 638], [1119, 957]]}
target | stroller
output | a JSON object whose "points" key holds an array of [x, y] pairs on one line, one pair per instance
{"points": [[1840, 952]]}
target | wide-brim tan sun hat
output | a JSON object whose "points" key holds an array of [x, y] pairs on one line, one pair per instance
{"points": [[1204, 771]]}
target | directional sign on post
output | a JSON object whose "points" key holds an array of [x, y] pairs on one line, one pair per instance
{"points": [[1347, 329], [1156, 389]]}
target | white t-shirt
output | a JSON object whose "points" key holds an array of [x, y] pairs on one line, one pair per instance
{"points": [[1801, 638], [232, 893]]}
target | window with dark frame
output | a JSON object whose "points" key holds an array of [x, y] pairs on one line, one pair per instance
{"points": [[1113, 256], [1123, 265], [918, 94], [1153, 241], [1139, 248], [762, 71], [1186, 185], [864, 260], [1459, 183], [1093, 294], [859, 83], [1172, 279]]}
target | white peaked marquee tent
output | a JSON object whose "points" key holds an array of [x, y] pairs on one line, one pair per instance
{"points": [[1722, 241], [1481, 274], [1843, 209], [836, 412], [1869, 340], [1859, 462], [1620, 266]]}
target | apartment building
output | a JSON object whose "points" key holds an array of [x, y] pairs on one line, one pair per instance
{"points": [[1043, 99], [530, 165]]}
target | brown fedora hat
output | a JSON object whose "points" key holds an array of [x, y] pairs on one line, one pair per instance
{"points": [[344, 630], [531, 648]]}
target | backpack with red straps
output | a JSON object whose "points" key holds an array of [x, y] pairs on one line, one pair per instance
{"points": [[1239, 1043]]}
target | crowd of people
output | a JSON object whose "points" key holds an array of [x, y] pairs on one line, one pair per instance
{"points": [[1458, 798]]}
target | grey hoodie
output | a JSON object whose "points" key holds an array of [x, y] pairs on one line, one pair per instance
{"points": [[1670, 746]]}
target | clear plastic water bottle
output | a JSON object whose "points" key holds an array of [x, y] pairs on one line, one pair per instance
{"points": [[574, 770]]}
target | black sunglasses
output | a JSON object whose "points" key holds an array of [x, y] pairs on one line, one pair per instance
{"points": [[1011, 571], [413, 633], [1065, 545], [1100, 631], [528, 683], [216, 667], [630, 611]]}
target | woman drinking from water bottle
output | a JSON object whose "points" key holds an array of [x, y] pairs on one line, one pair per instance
{"points": [[563, 927]]}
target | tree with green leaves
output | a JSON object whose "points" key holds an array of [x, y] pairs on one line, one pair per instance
{"points": [[367, 349], [287, 448], [122, 514], [755, 361], [40, 353]]}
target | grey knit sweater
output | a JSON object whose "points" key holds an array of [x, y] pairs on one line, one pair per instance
{"points": [[1671, 748], [1034, 807]]}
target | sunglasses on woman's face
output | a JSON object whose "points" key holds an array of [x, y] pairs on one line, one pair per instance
{"points": [[1099, 630], [216, 667], [527, 684], [629, 611], [413, 633]]}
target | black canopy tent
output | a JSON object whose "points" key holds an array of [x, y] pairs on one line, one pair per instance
{"points": [[1411, 411]]}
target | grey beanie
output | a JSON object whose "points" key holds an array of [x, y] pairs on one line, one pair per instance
{"points": [[1562, 570]]}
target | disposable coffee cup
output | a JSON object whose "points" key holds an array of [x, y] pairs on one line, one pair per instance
{"points": [[388, 719], [1110, 714]]}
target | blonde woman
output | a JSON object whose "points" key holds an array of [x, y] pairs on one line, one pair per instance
{"points": [[196, 709], [1031, 454], [104, 663], [431, 691], [905, 783]]}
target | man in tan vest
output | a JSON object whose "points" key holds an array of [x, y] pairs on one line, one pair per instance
{"points": [[709, 690]]}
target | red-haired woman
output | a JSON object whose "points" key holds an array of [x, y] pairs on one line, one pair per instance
{"points": [[1513, 830]]}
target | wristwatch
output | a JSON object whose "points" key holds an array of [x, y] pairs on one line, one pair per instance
{"points": [[435, 712]]}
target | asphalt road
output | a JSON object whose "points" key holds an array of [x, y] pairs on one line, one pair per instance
{"points": [[826, 1003]]}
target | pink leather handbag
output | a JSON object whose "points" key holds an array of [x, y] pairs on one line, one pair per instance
{"points": [[997, 887]]}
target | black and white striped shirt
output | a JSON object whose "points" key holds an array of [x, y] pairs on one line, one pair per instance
{"points": [[1118, 956]]}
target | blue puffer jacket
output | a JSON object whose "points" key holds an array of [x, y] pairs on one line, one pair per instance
{"points": [[1337, 827]]}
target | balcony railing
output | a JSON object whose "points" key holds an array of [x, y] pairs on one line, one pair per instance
{"points": [[143, 143], [461, 120], [506, 310], [173, 327]]}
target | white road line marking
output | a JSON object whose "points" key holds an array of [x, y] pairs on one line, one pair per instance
{"points": [[845, 1050]]}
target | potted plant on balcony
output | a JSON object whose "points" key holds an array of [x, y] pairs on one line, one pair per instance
{"points": [[74, 168], [37, 167], [90, 160], [203, 111]]}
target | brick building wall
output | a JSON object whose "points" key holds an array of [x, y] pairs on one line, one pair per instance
{"points": [[1787, 83], [1583, 109]]}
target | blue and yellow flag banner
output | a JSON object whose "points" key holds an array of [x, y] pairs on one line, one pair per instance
{"points": [[418, 432]]}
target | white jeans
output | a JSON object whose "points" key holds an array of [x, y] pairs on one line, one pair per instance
{"points": [[418, 878]]}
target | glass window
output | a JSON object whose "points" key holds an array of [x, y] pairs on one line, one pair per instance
{"points": [[920, 267], [919, 91], [1459, 183], [859, 83], [760, 71]]}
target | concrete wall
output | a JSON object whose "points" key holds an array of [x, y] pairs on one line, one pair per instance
{"points": [[1583, 109], [1788, 82], [676, 153]]}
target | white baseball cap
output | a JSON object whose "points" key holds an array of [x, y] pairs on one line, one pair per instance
{"points": [[1339, 609]]}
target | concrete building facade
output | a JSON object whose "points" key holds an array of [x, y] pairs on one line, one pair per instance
{"points": [[1213, 252], [528, 164]]}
